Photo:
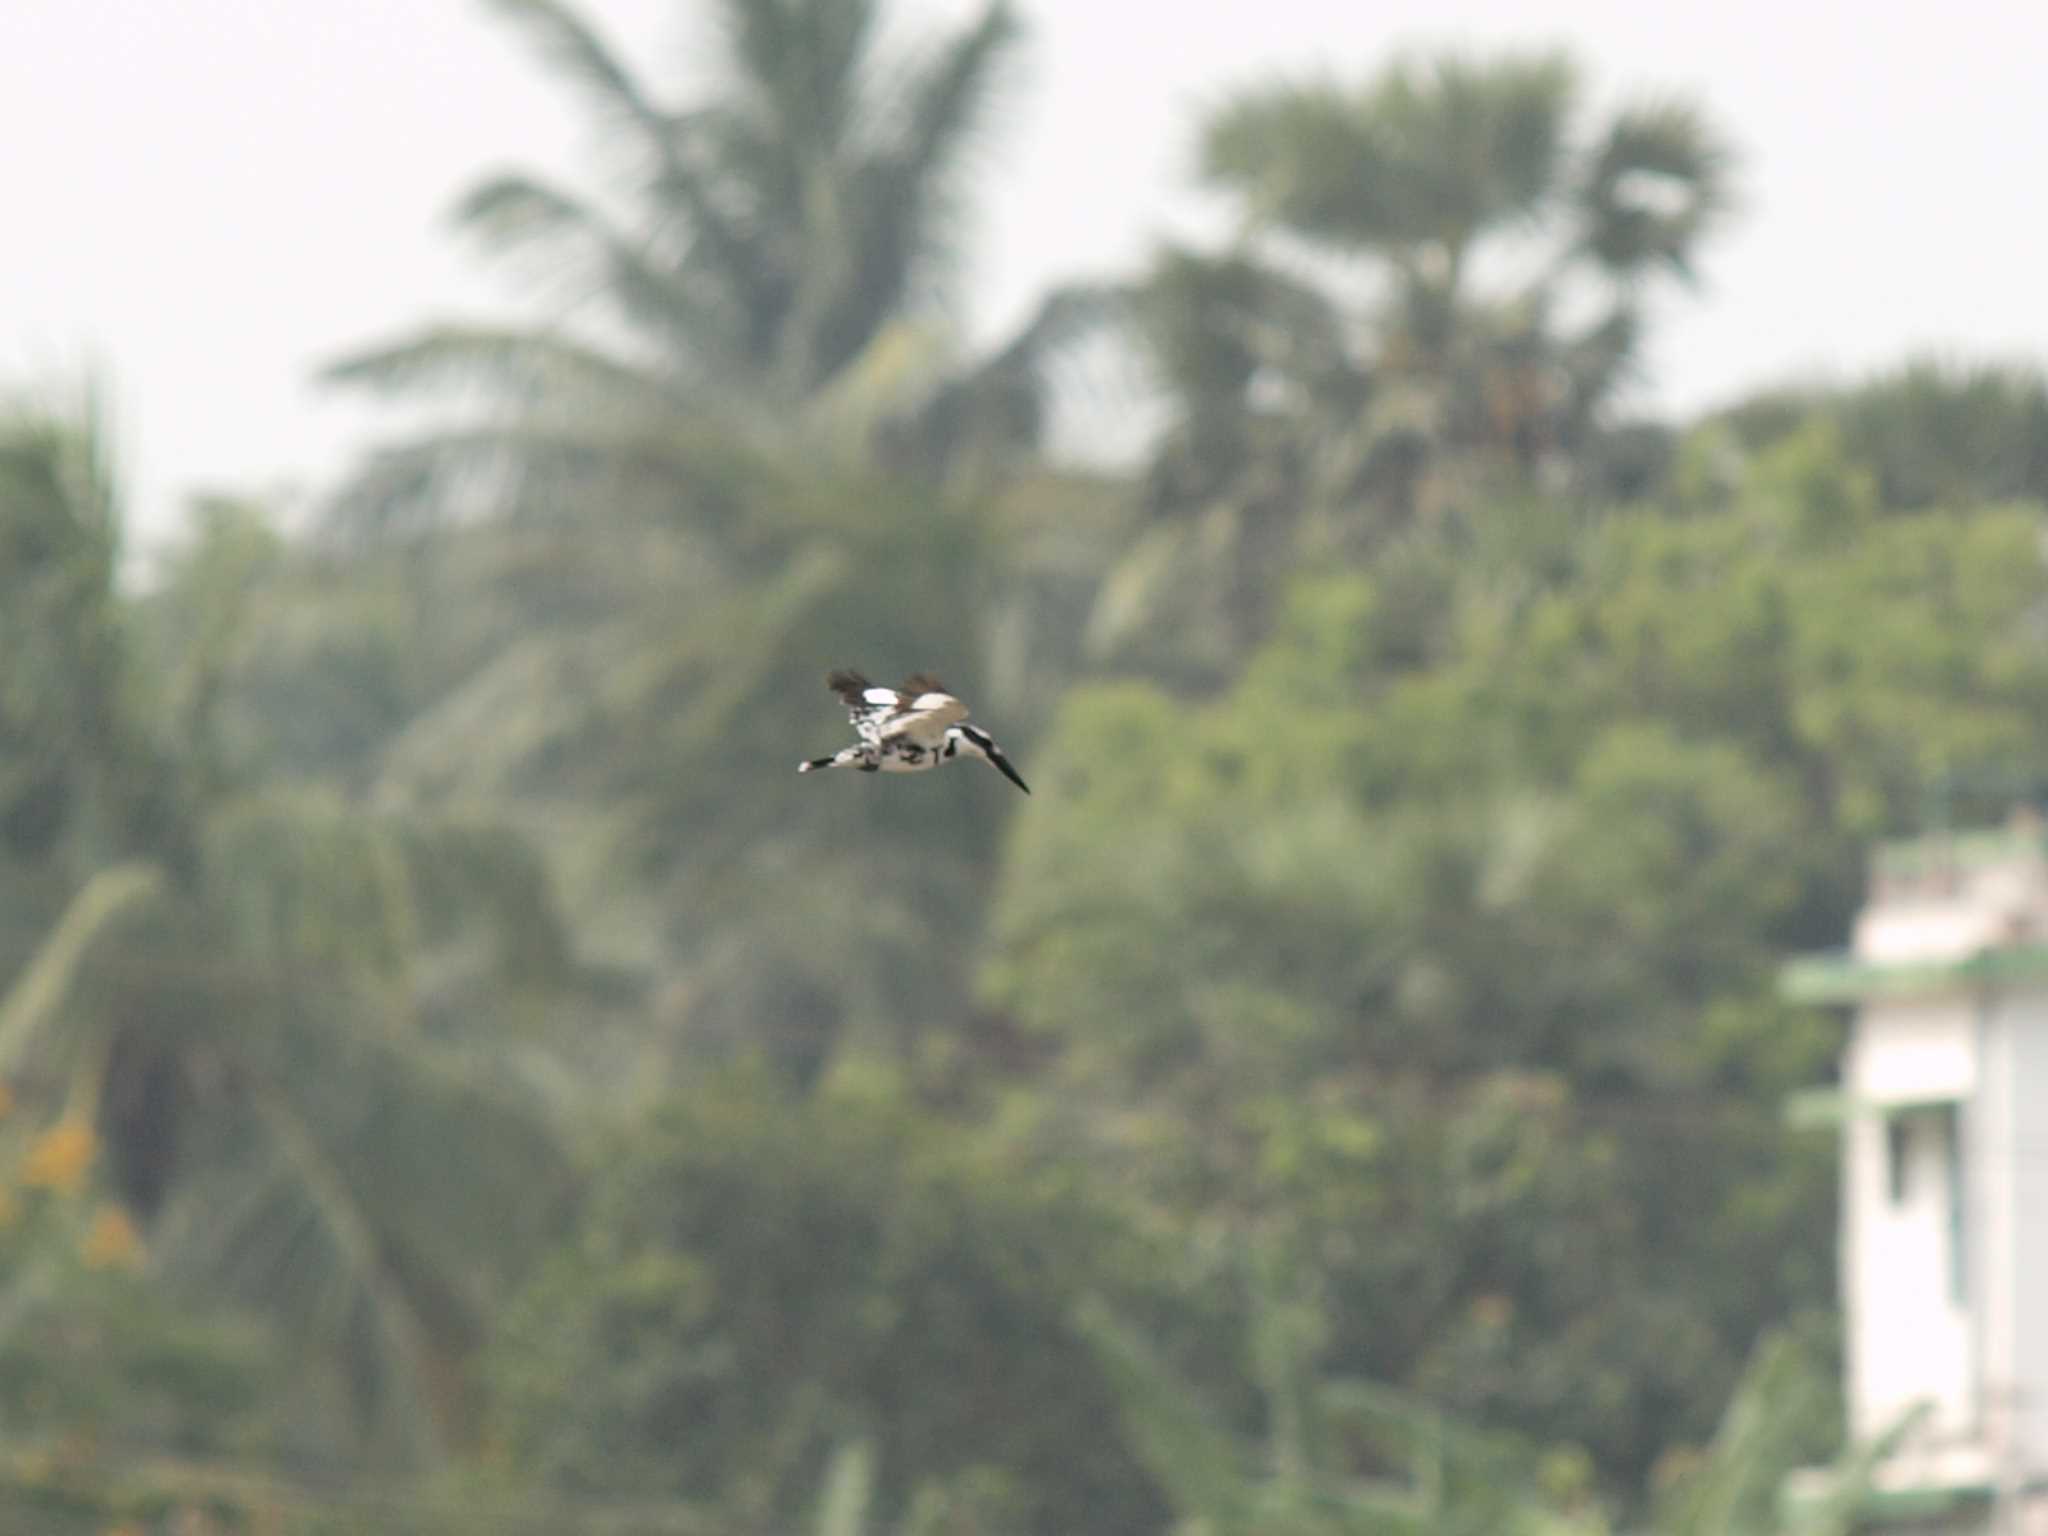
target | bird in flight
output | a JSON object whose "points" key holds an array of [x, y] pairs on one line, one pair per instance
{"points": [[908, 729]]}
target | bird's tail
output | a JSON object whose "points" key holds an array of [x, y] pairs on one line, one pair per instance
{"points": [[838, 759]]}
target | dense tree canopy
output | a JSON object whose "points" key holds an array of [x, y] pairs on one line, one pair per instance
{"points": [[1480, 951], [454, 1076], [764, 1280]]}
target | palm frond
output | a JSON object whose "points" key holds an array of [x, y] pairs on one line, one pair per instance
{"points": [[726, 242], [524, 364], [542, 468], [1300, 155], [1597, 363], [1851, 1481], [59, 446], [36, 998], [1484, 137], [651, 291], [1213, 324], [569, 42], [948, 98], [1194, 1458], [715, 656], [302, 883], [513, 208], [1287, 1332], [886, 226], [70, 696], [213, 586], [690, 669], [1431, 153], [367, 1193], [663, 295], [470, 871], [802, 63], [844, 1505], [1757, 1444], [997, 406], [1656, 183], [349, 1300]]}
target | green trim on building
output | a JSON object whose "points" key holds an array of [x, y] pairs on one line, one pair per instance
{"points": [[1884, 1506], [1877, 1508], [1956, 850], [1816, 1109], [1842, 978], [1828, 1109]]}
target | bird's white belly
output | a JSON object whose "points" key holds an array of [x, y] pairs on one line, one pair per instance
{"points": [[901, 755]]}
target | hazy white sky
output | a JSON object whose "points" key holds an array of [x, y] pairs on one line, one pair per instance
{"points": [[206, 197]]}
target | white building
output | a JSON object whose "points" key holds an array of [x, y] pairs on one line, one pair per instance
{"points": [[1944, 1118]]}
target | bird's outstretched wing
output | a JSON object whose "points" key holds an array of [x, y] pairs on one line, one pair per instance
{"points": [[866, 705], [923, 711], [920, 710], [848, 684]]}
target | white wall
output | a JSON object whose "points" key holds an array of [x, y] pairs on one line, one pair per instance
{"points": [[1910, 1334], [2017, 1210]]}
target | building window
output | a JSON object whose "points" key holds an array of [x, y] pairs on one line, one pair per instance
{"points": [[1898, 1156], [1923, 1150], [1950, 1128]]}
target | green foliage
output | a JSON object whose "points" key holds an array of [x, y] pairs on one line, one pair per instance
{"points": [[80, 779], [762, 1280], [1471, 945], [1933, 434], [236, 1009], [93, 1363], [1771, 1433], [1765, 1433], [1339, 1455], [466, 1082]]}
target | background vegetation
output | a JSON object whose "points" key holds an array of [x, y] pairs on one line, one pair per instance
{"points": [[458, 1079]]}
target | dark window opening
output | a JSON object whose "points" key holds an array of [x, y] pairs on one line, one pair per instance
{"points": [[1898, 1150], [1951, 1144], [1923, 1148]]}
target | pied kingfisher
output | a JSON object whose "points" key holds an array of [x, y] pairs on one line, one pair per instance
{"points": [[908, 729]]}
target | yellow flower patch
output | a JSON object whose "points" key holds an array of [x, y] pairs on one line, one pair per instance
{"points": [[113, 1242], [60, 1156]]}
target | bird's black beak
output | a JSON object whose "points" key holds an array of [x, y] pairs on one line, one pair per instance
{"points": [[1003, 767]]}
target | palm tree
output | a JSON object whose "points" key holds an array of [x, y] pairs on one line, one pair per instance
{"points": [[780, 255], [1433, 162], [254, 1002], [1357, 365], [772, 280]]}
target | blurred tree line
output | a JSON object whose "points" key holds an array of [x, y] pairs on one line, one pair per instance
{"points": [[458, 1079]]}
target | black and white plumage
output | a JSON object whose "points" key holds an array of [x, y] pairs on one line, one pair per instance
{"points": [[908, 729]]}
